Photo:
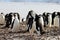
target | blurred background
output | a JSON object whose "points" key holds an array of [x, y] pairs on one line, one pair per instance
{"points": [[48, 1], [24, 6]]}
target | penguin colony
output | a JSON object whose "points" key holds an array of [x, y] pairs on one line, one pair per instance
{"points": [[34, 21]]}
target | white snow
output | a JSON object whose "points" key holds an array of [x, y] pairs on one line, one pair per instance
{"points": [[23, 7]]}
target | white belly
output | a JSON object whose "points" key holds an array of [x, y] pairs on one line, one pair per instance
{"points": [[16, 26], [56, 21], [33, 28], [41, 21], [2, 19], [50, 21]]}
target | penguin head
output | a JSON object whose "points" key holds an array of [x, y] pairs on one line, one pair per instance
{"points": [[44, 14], [53, 13], [40, 15], [33, 14], [48, 14], [56, 13], [23, 19], [1, 13], [11, 14]]}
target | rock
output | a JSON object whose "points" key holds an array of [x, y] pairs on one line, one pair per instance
{"points": [[9, 39], [2, 38]]}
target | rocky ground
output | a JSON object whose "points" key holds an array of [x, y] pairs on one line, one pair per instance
{"points": [[52, 34]]}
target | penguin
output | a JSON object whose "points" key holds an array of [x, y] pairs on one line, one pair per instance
{"points": [[31, 23], [49, 19], [8, 19], [58, 13], [56, 20], [53, 16], [29, 20], [33, 28], [2, 19], [41, 24], [45, 18], [12, 21], [41, 20], [15, 24]]}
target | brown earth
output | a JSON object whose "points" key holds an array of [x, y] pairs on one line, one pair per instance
{"points": [[51, 34]]}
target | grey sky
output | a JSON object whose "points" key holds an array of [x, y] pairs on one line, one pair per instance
{"points": [[53, 1]]}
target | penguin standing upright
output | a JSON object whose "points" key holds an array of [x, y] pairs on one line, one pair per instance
{"points": [[29, 19], [56, 20], [33, 29], [49, 19], [12, 20], [2, 18], [53, 16], [41, 22], [15, 24]]}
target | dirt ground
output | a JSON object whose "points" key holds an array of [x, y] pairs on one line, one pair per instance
{"points": [[51, 34]]}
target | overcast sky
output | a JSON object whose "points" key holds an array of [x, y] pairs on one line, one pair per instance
{"points": [[53, 1]]}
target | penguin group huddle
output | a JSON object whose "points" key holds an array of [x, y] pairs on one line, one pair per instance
{"points": [[39, 22], [34, 21], [11, 21]]}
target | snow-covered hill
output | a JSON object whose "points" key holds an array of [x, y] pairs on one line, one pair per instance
{"points": [[23, 7]]}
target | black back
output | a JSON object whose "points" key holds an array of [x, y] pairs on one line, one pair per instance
{"points": [[53, 16]]}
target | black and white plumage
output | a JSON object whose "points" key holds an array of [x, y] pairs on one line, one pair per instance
{"points": [[53, 16], [8, 19], [41, 24], [15, 23], [30, 19], [49, 19], [35, 22], [56, 20], [18, 16], [45, 18], [41, 20], [12, 21]]}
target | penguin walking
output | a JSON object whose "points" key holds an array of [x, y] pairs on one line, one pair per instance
{"points": [[15, 24]]}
